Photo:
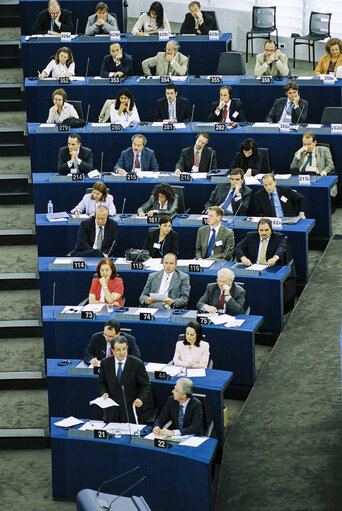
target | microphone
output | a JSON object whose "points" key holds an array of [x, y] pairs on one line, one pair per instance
{"points": [[111, 248], [53, 299], [124, 396], [123, 207], [76, 29], [188, 69], [87, 68], [109, 481], [192, 113], [236, 212], [300, 114], [126, 491], [101, 163], [211, 158], [87, 116]]}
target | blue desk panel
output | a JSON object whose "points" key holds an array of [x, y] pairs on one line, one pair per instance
{"points": [[79, 463], [232, 349]]}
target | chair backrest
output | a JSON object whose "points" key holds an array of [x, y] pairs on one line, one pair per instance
{"points": [[332, 115], [231, 64], [320, 24], [264, 18], [126, 330], [207, 417], [265, 159], [247, 306], [288, 258], [78, 107], [181, 337], [213, 15], [182, 202]]}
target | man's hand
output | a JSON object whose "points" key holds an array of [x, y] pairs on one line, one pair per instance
{"points": [[170, 58], [77, 213], [302, 216], [73, 155], [166, 432], [178, 172], [138, 403], [152, 212], [122, 172], [94, 362], [209, 308], [118, 57], [226, 290], [272, 261], [149, 300], [324, 173], [246, 261], [118, 74], [156, 431], [100, 22], [168, 301], [221, 104], [105, 396], [296, 99], [141, 214]]}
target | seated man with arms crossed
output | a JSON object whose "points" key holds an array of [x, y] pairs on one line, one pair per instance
{"points": [[224, 295], [233, 197], [117, 63], [215, 241], [75, 158]]}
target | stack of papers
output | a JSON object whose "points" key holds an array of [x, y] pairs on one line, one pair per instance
{"points": [[148, 173], [153, 264], [57, 217], [145, 310], [234, 323], [68, 422], [204, 263], [103, 403]]}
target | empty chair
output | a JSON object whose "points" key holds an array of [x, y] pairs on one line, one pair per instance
{"points": [[319, 29], [263, 24], [231, 64], [213, 15], [265, 161], [208, 423], [182, 202], [78, 107], [332, 115]]}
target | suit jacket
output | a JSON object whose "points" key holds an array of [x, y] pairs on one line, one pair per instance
{"points": [[169, 245], [280, 69], [237, 304], [43, 23], [249, 247], [253, 162], [183, 110], [135, 380], [109, 66], [294, 204], [111, 24], [235, 106], [178, 68], [221, 191], [323, 64], [222, 251], [148, 160], [153, 203], [193, 417], [85, 155], [86, 235], [299, 114], [97, 348], [323, 156], [188, 25], [199, 354], [179, 289], [186, 160]]}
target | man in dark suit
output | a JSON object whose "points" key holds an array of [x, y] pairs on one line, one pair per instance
{"points": [[74, 158], [96, 237], [138, 157], [197, 158], [278, 201], [215, 241], [197, 21], [233, 196], [119, 375], [227, 109], [263, 247], [172, 108], [53, 21], [292, 109], [100, 347], [224, 295], [183, 409], [117, 63]]}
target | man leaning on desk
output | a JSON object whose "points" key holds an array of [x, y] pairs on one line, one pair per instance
{"points": [[74, 158], [224, 295], [138, 157], [232, 196], [168, 62], [272, 62], [53, 20], [278, 201]]}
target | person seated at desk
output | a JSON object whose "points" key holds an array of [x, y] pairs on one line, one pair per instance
{"points": [[99, 196], [233, 197], [294, 109], [117, 63], [192, 351], [196, 21], [214, 241], [61, 109], [170, 282], [100, 347], [53, 20], [101, 22], [75, 158], [138, 157], [152, 21], [163, 200], [61, 65], [272, 62], [170, 62], [124, 110], [248, 159], [312, 158], [329, 63], [183, 410], [197, 158], [227, 109], [161, 240], [96, 237], [172, 108], [224, 295], [278, 201], [107, 287], [262, 247]]}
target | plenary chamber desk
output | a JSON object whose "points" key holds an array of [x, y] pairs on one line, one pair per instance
{"points": [[69, 394], [72, 286], [58, 238], [177, 478], [232, 349]]}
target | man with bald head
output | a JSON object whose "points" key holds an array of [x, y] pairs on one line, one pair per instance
{"points": [[224, 295], [53, 20], [168, 62]]}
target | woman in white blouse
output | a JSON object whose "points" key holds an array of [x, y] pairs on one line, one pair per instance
{"points": [[192, 352], [62, 65], [91, 201], [60, 110], [152, 21], [124, 111]]}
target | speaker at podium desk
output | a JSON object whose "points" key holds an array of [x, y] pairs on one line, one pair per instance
{"points": [[87, 501]]}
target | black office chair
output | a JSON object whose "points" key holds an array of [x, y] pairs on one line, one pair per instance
{"points": [[231, 63], [263, 24], [181, 338], [332, 115], [213, 15], [265, 160], [290, 283], [182, 201], [319, 29], [208, 424], [248, 307], [78, 107]]}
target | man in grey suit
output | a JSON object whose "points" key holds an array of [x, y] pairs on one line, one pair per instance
{"points": [[294, 109], [170, 62], [224, 296], [312, 158], [170, 282], [214, 241], [272, 62], [101, 22]]}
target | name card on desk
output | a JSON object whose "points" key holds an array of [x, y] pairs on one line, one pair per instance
{"points": [[203, 320], [63, 127], [114, 79], [304, 180], [220, 126], [137, 265], [328, 79], [101, 434], [77, 177], [185, 177], [214, 35], [64, 80], [160, 443], [163, 35], [284, 126], [265, 80], [114, 35], [165, 79], [195, 268], [88, 315], [79, 265], [152, 219], [132, 176], [215, 79], [161, 375], [65, 36], [145, 316], [115, 127], [168, 126], [336, 128], [276, 223]]}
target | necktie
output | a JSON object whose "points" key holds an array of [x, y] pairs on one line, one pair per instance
{"points": [[119, 373], [164, 287], [262, 255], [224, 114], [289, 109], [100, 239], [172, 111], [52, 23], [308, 163], [196, 159], [228, 199], [211, 243], [180, 418], [221, 302], [137, 163], [277, 206], [109, 350]]}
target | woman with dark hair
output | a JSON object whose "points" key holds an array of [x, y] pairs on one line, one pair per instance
{"points": [[107, 287], [248, 158], [152, 21], [193, 351], [98, 197], [163, 200], [62, 65], [330, 62], [162, 240], [124, 111], [61, 110]]}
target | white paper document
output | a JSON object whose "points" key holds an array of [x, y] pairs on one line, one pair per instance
{"points": [[158, 297], [282, 176], [204, 263], [256, 266], [62, 260], [234, 323], [96, 307], [314, 125], [124, 428], [94, 174], [91, 425], [192, 373], [82, 215], [252, 180], [103, 403], [179, 125], [122, 260], [266, 125], [220, 319], [145, 310], [148, 173], [71, 309], [154, 366], [172, 370], [68, 422], [198, 175], [194, 441]]}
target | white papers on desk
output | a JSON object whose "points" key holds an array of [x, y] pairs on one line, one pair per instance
{"points": [[100, 124], [252, 180], [71, 309], [158, 124], [179, 78], [266, 125], [103, 403], [258, 267], [220, 319], [158, 297], [151, 367], [172, 370], [96, 307], [122, 260], [282, 176], [148, 173], [306, 77], [179, 125], [47, 125], [124, 428], [153, 264], [94, 174], [204, 263], [198, 175], [234, 323], [192, 373], [194, 441], [77, 78], [82, 215], [205, 124], [314, 126], [84, 364], [145, 310], [62, 260], [91, 425], [68, 422]]}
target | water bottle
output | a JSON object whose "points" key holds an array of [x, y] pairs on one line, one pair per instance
{"points": [[50, 207]]}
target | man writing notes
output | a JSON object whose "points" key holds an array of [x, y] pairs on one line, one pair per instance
{"points": [[272, 62], [292, 109], [197, 158], [312, 158], [278, 201], [74, 158], [170, 62], [214, 241], [172, 108], [233, 197], [223, 296]]}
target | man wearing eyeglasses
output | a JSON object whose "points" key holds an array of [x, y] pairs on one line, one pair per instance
{"points": [[170, 62], [223, 296]]}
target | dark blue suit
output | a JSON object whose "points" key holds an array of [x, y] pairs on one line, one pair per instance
{"points": [[109, 66], [193, 417], [183, 110], [249, 247], [97, 348], [86, 237], [148, 160]]}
